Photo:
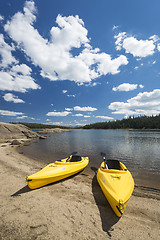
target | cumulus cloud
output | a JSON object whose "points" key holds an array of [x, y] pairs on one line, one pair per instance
{"points": [[54, 56], [10, 113], [58, 114], [138, 48], [64, 91], [84, 109], [9, 97], [125, 87], [14, 76], [146, 103], [120, 37], [105, 117], [12, 81], [6, 53]]}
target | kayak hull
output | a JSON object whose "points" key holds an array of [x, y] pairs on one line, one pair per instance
{"points": [[117, 186], [55, 172]]}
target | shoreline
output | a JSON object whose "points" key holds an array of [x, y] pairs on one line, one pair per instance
{"points": [[142, 176], [74, 208]]}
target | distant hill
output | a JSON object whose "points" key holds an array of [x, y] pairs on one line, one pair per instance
{"points": [[142, 122], [39, 125]]}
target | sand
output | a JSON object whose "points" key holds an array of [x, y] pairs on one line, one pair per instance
{"points": [[74, 208]]}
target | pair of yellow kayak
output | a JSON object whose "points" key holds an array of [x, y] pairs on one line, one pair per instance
{"points": [[114, 179]]}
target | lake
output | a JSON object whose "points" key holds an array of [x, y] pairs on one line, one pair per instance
{"points": [[139, 150]]}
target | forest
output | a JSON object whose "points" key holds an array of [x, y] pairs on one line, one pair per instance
{"points": [[39, 125], [141, 122]]}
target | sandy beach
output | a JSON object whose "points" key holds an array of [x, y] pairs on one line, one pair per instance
{"points": [[74, 208]]}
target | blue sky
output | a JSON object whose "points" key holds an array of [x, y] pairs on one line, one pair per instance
{"points": [[79, 62]]}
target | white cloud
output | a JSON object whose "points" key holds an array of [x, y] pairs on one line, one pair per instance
{"points": [[146, 103], [84, 109], [22, 117], [105, 64], [73, 95], [54, 56], [120, 37], [141, 86], [58, 114], [155, 38], [16, 82], [86, 116], [6, 53], [10, 113], [54, 123], [105, 117], [158, 47], [68, 95], [64, 91], [21, 69], [68, 109], [138, 48], [95, 84], [114, 27], [9, 97], [125, 87], [1, 18], [78, 115], [14, 77]]}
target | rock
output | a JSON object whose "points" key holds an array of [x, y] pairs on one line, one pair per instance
{"points": [[42, 137], [16, 131], [15, 142]]}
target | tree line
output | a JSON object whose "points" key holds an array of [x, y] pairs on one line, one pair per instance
{"points": [[141, 122], [39, 125]]}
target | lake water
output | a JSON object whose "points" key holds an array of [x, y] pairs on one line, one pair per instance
{"points": [[138, 150]]}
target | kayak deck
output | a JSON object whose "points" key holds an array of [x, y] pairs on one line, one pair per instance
{"points": [[117, 186], [56, 171]]}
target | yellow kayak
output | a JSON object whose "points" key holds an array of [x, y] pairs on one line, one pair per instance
{"points": [[57, 171], [116, 183]]}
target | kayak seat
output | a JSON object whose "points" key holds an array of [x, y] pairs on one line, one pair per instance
{"points": [[75, 159], [113, 164]]}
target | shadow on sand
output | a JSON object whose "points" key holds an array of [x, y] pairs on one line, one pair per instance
{"points": [[21, 191], [108, 217]]}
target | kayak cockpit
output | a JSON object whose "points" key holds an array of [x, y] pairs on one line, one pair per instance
{"points": [[71, 160], [75, 159], [113, 165]]}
